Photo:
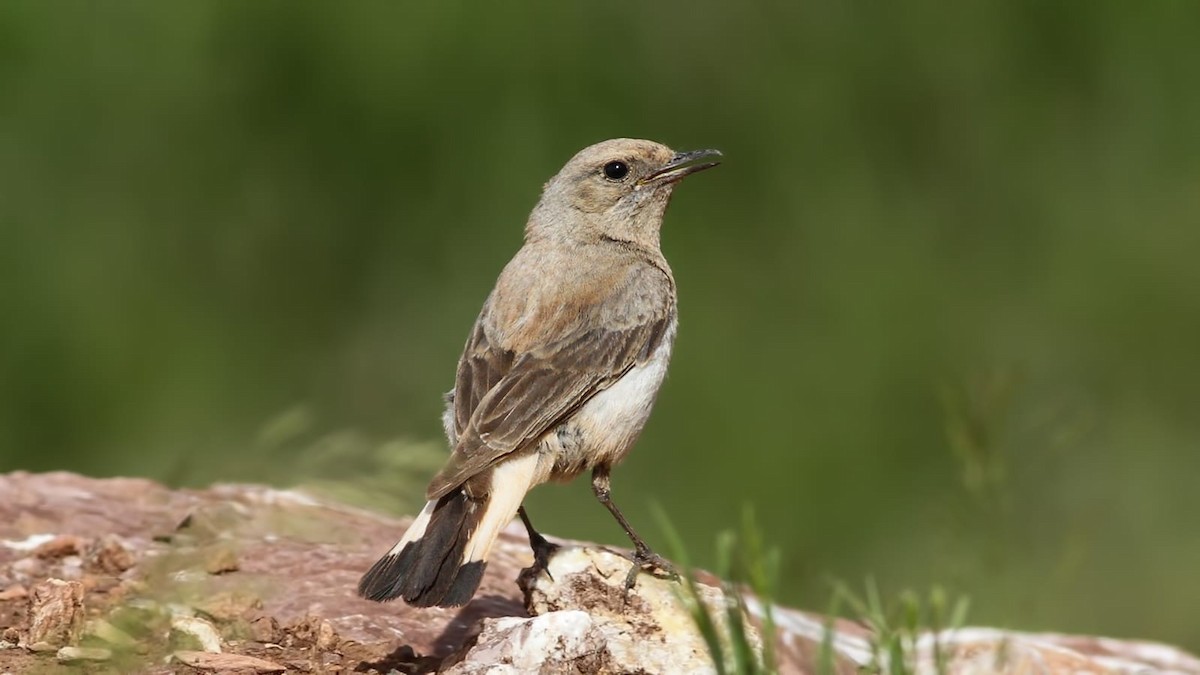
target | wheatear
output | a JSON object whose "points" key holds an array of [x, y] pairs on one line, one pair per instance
{"points": [[560, 370]]}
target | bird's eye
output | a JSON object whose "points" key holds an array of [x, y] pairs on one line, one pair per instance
{"points": [[616, 170]]}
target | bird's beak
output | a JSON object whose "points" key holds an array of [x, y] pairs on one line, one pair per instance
{"points": [[681, 165]]}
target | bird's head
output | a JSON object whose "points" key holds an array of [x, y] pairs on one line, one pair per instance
{"points": [[616, 189]]}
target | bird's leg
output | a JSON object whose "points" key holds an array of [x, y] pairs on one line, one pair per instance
{"points": [[643, 557], [542, 549]]}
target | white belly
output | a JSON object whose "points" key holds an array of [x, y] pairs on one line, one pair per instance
{"points": [[607, 426]]}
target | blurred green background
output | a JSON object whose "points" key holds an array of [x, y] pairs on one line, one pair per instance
{"points": [[940, 308]]}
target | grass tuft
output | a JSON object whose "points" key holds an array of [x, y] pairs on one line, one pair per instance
{"points": [[897, 627], [742, 561]]}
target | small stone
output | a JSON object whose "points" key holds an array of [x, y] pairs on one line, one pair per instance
{"points": [[60, 547], [228, 662], [316, 632], [55, 612], [41, 646], [76, 654], [220, 560], [196, 630], [14, 592], [327, 638], [265, 629], [230, 606], [108, 555]]}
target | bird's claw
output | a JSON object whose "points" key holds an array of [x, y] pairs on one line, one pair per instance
{"points": [[645, 560]]}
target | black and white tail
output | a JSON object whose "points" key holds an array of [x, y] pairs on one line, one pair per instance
{"points": [[440, 560]]}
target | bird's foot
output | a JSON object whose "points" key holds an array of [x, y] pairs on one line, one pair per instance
{"points": [[543, 551], [645, 560]]}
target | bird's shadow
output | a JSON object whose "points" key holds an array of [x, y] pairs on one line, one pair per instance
{"points": [[458, 636]]}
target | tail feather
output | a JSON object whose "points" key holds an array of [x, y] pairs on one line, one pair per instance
{"points": [[455, 517], [440, 560]]}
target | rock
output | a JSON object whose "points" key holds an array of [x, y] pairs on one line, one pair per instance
{"points": [[971, 651], [228, 662], [565, 641], [298, 559], [55, 613], [198, 631], [647, 627], [78, 654]]}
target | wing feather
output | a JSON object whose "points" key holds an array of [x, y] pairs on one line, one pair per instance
{"points": [[505, 402]]}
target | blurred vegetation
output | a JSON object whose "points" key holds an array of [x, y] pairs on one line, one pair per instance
{"points": [[940, 307], [898, 626]]}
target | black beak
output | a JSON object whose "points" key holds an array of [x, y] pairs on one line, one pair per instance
{"points": [[681, 165]]}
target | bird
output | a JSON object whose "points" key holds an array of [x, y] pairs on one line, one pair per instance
{"points": [[559, 372]]}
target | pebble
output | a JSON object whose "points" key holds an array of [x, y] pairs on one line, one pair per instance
{"points": [[74, 654], [200, 631]]}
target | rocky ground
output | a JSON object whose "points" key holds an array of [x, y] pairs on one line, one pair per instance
{"points": [[124, 575]]}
